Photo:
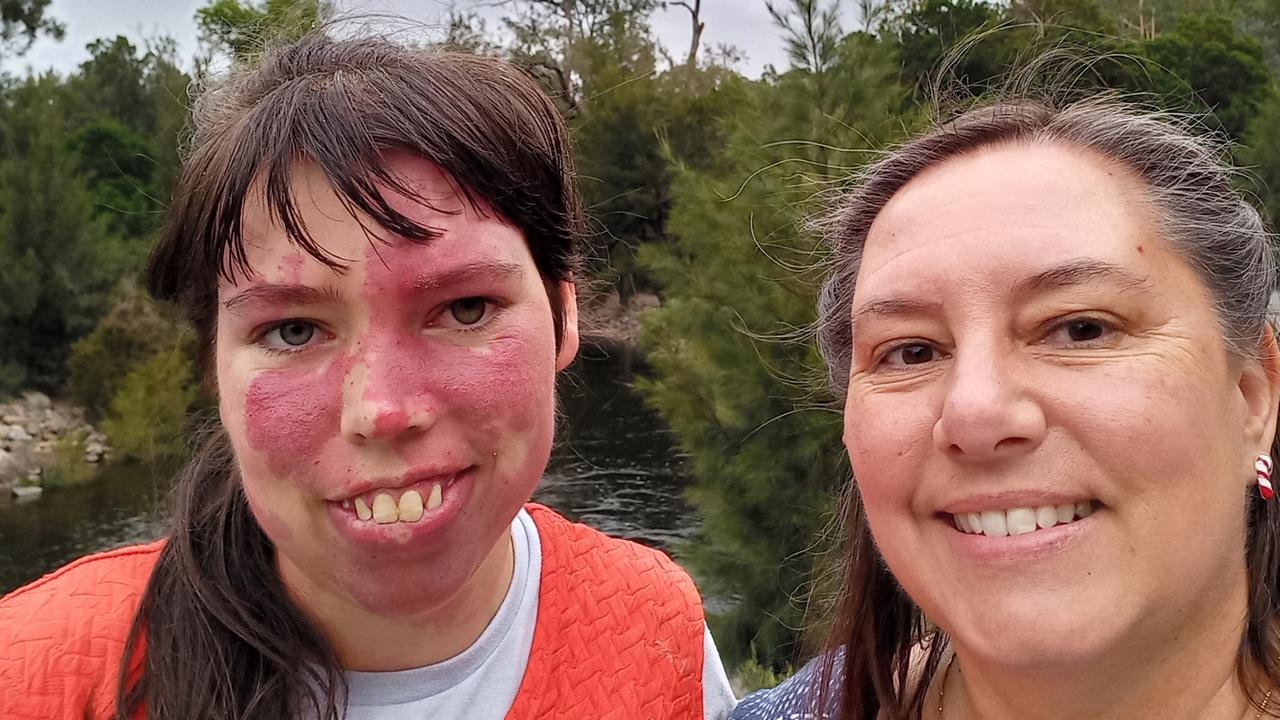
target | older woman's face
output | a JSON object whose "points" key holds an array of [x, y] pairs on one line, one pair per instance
{"points": [[390, 420], [1051, 439]]}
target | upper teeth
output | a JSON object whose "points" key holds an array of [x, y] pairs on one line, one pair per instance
{"points": [[1017, 521], [409, 508]]}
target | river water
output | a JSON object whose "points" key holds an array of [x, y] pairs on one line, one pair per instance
{"points": [[614, 467]]}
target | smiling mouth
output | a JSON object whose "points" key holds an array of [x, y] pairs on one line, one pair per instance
{"points": [[400, 505], [1021, 520]]}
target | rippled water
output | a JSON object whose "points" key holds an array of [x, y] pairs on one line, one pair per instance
{"points": [[613, 468]]}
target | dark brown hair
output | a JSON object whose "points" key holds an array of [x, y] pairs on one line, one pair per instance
{"points": [[881, 652], [222, 637]]}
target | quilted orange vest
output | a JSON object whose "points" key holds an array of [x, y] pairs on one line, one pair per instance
{"points": [[619, 633]]}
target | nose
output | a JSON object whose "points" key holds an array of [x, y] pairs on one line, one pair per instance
{"points": [[382, 402], [987, 413]]}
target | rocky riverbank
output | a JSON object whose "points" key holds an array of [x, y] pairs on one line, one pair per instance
{"points": [[37, 434]]}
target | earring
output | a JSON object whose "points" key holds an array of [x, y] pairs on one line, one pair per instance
{"points": [[1263, 466]]}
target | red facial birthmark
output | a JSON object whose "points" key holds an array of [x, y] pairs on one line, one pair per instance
{"points": [[291, 414]]}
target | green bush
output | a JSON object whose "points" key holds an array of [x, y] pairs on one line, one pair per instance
{"points": [[69, 466], [12, 378], [133, 330], [750, 676], [147, 416]]}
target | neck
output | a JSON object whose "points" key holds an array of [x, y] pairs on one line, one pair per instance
{"points": [[1186, 674], [368, 642]]}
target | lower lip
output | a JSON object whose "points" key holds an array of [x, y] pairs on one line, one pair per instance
{"points": [[401, 534], [1020, 548]]}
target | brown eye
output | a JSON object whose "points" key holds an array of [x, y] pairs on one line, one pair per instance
{"points": [[910, 354], [916, 354], [468, 311], [1084, 330]]}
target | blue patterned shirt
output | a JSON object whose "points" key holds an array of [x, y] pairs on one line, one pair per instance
{"points": [[796, 698]]}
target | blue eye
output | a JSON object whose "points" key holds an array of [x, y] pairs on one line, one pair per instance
{"points": [[297, 333], [289, 335]]}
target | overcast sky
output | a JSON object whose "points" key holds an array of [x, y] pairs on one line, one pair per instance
{"points": [[742, 23]]}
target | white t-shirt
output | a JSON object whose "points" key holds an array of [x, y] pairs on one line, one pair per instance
{"points": [[481, 682]]}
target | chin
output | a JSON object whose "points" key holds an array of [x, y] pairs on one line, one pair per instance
{"points": [[1035, 633], [404, 596]]}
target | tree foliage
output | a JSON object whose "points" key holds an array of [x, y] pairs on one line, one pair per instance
{"points": [[147, 419], [242, 28], [732, 371], [22, 21], [86, 162]]}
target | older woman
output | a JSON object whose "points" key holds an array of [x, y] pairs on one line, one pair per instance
{"points": [[1049, 327]]}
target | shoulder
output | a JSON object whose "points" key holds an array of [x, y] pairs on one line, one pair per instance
{"points": [[796, 698], [93, 581], [589, 548], [74, 620]]}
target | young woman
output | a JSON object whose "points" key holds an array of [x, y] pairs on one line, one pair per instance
{"points": [[376, 246]]}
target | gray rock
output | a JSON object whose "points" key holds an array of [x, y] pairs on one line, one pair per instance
{"points": [[37, 400], [17, 433], [27, 492]]}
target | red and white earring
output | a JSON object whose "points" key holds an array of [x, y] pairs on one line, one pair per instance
{"points": [[1263, 466]]}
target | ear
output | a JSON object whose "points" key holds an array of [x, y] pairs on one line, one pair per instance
{"points": [[1260, 388], [569, 340]]}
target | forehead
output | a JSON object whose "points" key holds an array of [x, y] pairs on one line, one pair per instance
{"points": [[468, 231], [1010, 205]]}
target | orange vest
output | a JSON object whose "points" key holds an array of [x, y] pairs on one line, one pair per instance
{"points": [[619, 633]]}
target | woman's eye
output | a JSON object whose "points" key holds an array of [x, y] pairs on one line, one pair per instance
{"points": [[1079, 331], [290, 334], [912, 354], [468, 311]]}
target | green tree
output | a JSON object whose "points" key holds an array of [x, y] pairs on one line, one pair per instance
{"points": [[926, 31], [730, 372], [117, 165], [147, 418], [48, 224], [134, 330], [558, 40], [242, 28], [1204, 63], [22, 21], [127, 107], [1261, 151]]}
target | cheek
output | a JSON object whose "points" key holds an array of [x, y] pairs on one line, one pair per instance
{"points": [[275, 525], [888, 440], [290, 414]]}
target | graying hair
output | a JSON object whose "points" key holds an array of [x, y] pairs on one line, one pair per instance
{"points": [[1187, 177]]}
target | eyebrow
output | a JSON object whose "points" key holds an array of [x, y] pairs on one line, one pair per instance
{"points": [[281, 294], [1084, 271], [295, 294], [894, 307], [468, 273]]}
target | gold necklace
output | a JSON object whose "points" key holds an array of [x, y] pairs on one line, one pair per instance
{"points": [[942, 690]]}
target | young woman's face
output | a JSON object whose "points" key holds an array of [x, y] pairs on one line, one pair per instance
{"points": [[389, 420], [1030, 357]]}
